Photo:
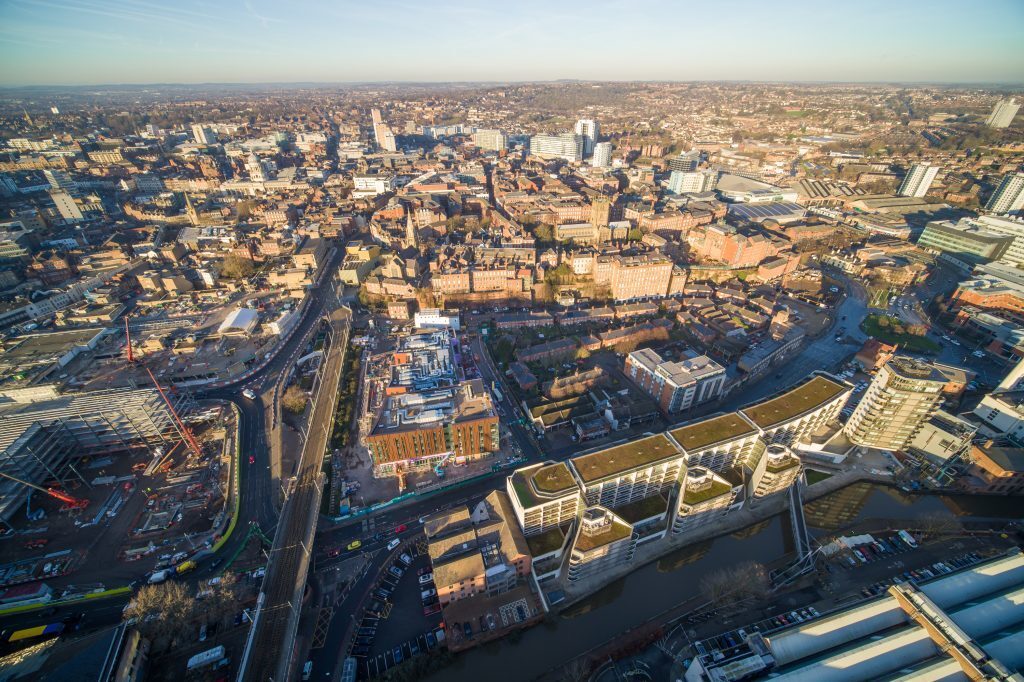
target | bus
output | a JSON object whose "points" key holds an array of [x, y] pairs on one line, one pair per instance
{"points": [[51, 629], [206, 658]]}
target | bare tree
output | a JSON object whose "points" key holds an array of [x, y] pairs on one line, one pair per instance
{"points": [[161, 612]]}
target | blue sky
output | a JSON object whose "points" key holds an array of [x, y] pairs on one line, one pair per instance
{"points": [[187, 41]]}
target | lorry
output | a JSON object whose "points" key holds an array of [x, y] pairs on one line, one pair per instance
{"points": [[185, 567]]}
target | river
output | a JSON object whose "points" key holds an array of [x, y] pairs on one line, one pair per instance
{"points": [[647, 592]]}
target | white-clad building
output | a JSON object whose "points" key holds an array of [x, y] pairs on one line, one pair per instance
{"points": [[602, 155], [918, 180], [588, 129], [568, 146], [435, 318]]}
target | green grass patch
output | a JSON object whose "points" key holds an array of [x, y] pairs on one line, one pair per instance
{"points": [[887, 332], [815, 476]]}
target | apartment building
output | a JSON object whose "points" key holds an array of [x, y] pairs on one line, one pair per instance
{"points": [[1003, 113], [638, 277], [629, 472], [544, 496], [963, 244], [1009, 195], [568, 146], [676, 386], [704, 497], [603, 540], [478, 551], [490, 139], [422, 429], [900, 399], [998, 467], [720, 443], [797, 413], [776, 470], [918, 180]]}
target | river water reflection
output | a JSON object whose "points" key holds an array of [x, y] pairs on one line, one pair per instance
{"points": [[650, 590]]}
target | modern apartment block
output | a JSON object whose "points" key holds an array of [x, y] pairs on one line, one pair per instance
{"points": [[602, 155], [544, 496], [704, 496], [1009, 195], [1003, 113], [902, 396], [676, 386], [797, 413], [568, 146], [603, 540], [588, 129], [719, 443], [918, 180], [692, 182], [422, 429], [490, 139], [629, 472], [776, 470]]}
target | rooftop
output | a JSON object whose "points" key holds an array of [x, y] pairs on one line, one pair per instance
{"points": [[616, 530], [545, 542], [793, 403], [635, 512], [696, 496], [540, 483], [700, 435], [623, 458]]}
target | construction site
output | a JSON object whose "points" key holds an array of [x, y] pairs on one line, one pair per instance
{"points": [[98, 488]]}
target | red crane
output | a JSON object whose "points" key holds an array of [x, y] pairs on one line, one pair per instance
{"points": [[128, 335], [185, 432], [70, 502]]}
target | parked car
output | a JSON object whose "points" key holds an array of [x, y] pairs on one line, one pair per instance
{"points": [[426, 578]]}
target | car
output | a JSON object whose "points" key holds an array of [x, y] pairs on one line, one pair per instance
{"points": [[431, 639], [395, 571], [252, 459], [401, 528], [355, 544], [467, 630], [398, 654], [426, 578], [405, 559], [414, 647], [432, 609], [333, 552], [427, 594], [307, 670], [814, 611], [382, 592], [249, 393], [203, 632], [394, 543]]}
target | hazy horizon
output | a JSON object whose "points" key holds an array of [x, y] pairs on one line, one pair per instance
{"points": [[254, 42]]}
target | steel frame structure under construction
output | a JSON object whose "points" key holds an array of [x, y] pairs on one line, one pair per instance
{"points": [[40, 441]]}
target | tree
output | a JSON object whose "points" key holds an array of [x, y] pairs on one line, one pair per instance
{"points": [[294, 400], [161, 612], [544, 233], [582, 353], [237, 267]]}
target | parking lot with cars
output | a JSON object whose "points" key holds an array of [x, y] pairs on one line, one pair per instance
{"points": [[402, 618]]}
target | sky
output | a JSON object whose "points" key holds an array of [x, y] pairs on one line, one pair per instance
{"points": [[85, 42]]}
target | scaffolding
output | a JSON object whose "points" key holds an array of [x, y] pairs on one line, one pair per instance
{"points": [[41, 441]]}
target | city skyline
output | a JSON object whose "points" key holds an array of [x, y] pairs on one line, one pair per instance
{"points": [[73, 42]]}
